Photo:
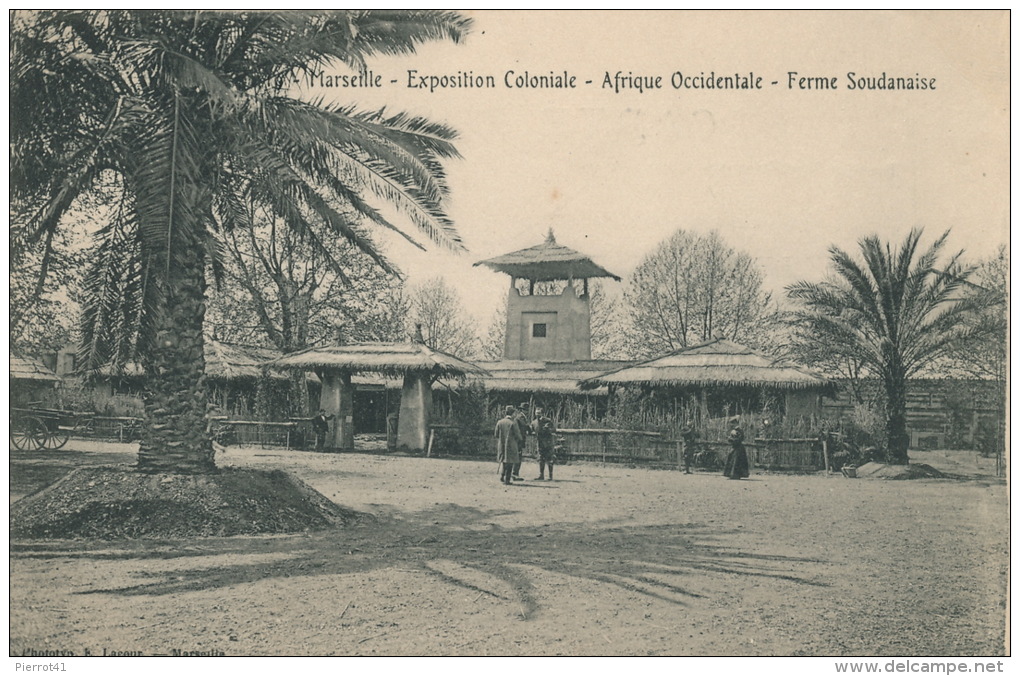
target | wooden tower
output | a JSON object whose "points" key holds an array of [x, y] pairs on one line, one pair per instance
{"points": [[543, 324]]}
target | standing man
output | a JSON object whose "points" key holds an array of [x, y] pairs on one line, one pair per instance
{"points": [[545, 432], [320, 424], [509, 441], [688, 435], [521, 418]]}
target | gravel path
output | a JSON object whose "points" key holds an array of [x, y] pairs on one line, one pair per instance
{"points": [[602, 561]]}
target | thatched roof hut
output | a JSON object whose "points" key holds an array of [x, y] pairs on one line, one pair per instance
{"points": [[546, 262], [223, 362], [30, 380], [228, 361], [391, 359], [415, 361], [24, 368], [716, 363]]}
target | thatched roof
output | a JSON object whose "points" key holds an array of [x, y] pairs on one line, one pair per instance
{"points": [[545, 377], [23, 368], [713, 364], [547, 261], [223, 361], [385, 358], [228, 361]]}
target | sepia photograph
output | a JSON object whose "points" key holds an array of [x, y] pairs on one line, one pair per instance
{"points": [[423, 333]]}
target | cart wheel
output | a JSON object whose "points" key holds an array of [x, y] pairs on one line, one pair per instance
{"points": [[55, 439], [17, 436], [28, 434]]}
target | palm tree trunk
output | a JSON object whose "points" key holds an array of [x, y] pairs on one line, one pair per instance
{"points": [[896, 417], [175, 437]]}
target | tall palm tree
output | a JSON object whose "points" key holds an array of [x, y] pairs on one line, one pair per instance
{"points": [[895, 313], [189, 118]]}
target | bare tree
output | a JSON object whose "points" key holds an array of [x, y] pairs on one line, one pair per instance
{"points": [[608, 334], [693, 288], [277, 289], [491, 344], [42, 287], [445, 325], [984, 355]]}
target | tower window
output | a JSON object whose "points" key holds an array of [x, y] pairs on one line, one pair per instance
{"points": [[538, 330]]}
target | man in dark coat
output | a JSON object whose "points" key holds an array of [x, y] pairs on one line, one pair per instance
{"points": [[509, 441], [320, 425], [688, 435], [521, 418], [544, 430]]}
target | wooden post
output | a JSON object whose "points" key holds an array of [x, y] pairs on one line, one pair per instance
{"points": [[825, 454]]}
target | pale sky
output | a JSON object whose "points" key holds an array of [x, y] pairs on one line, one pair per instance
{"points": [[781, 173]]}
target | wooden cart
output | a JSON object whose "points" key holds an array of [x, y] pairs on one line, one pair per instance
{"points": [[34, 429]]}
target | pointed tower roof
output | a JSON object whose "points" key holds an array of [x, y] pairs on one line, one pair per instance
{"points": [[546, 262]]}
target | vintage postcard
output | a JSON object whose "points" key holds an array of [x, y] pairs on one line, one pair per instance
{"points": [[510, 333]]}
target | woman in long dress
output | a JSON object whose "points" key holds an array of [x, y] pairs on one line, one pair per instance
{"points": [[736, 461]]}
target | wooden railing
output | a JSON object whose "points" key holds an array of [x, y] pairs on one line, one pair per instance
{"points": [[804, 455], [261, 434], [654, 449], [626, 446]]}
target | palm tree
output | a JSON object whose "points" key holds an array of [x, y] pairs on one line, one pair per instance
{"points": [[189, 118], [895, 314]]}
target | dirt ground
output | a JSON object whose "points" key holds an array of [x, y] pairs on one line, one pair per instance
{"points": [[606, 560]]}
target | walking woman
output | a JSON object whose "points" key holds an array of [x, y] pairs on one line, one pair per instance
{"points": [[736, 461]]}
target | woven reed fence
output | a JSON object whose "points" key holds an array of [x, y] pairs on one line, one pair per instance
{"points": [[655, 449], [801, 455], [619, 446]]}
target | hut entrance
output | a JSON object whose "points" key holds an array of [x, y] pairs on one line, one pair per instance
{"points": [[419, 366]]}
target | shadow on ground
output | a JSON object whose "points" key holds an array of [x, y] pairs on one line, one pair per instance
{"points": [[649, 560]]}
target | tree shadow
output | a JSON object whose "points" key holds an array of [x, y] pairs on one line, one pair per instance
{"points": [[458, 545]]}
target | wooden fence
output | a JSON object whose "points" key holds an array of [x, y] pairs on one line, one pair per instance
{"points": [[802, 455], [626, 446], [111, 428], [261, 434], [654, 449]]}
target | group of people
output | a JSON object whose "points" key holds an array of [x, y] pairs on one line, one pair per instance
{"points": [[511, 433], [514, 428]]}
